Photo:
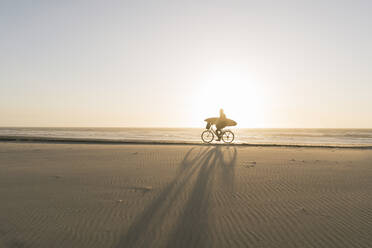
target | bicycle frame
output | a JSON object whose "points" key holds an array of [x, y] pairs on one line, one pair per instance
{"points": [[214, 130]]}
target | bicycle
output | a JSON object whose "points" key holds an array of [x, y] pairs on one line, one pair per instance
{"points": [[209, 134]]}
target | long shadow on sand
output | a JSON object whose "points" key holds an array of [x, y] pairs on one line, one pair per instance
{"points": [[200, 170]]}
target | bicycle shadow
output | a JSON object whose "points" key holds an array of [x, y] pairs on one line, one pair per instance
{"points": [[201, 169]]}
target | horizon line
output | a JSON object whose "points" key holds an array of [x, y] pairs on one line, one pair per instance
{"points": [[180, 127]]}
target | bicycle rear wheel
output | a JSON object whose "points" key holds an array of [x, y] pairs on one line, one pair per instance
{"points": [[228, 136], [207, 136]]}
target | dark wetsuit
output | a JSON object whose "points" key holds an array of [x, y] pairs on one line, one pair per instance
{"points": [[221, 123]]}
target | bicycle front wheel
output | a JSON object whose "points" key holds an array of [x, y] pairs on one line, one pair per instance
{"points": [[228, 136], [207, 136]]}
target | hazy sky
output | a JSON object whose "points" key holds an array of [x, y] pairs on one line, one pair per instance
{"points": [[174, 63]]}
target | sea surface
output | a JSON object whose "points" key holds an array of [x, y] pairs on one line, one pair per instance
{"points": [[317, 137]]}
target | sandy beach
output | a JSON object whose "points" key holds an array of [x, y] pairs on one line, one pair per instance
{"points": [[96, 195]]}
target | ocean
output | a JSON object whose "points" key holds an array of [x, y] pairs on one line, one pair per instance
{"points": [[298, 137]]}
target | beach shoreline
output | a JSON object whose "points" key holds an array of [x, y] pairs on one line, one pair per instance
{"points": [[57, 194], [66, 140]]}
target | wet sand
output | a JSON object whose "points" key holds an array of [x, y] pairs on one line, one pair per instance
{"points": [[101, 195]]}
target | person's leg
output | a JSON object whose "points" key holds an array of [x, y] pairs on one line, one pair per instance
{"points": [[220, 126], [218, 135], [218, 131]]}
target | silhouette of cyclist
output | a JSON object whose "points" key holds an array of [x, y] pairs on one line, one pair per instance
{"points": [[220, 124]]}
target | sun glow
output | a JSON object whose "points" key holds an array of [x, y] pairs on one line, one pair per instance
{"points": [[239, 94]]}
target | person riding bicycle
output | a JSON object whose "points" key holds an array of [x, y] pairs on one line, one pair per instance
{"points": [[220, 124], [218, 134]]}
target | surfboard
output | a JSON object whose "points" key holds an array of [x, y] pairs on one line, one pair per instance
{"points": [[214, 120]]}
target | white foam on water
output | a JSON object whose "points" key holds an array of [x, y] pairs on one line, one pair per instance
{"points": [[317, 137]]}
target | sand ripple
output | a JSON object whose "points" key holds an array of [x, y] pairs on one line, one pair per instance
{"points": [[183, 196]]}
